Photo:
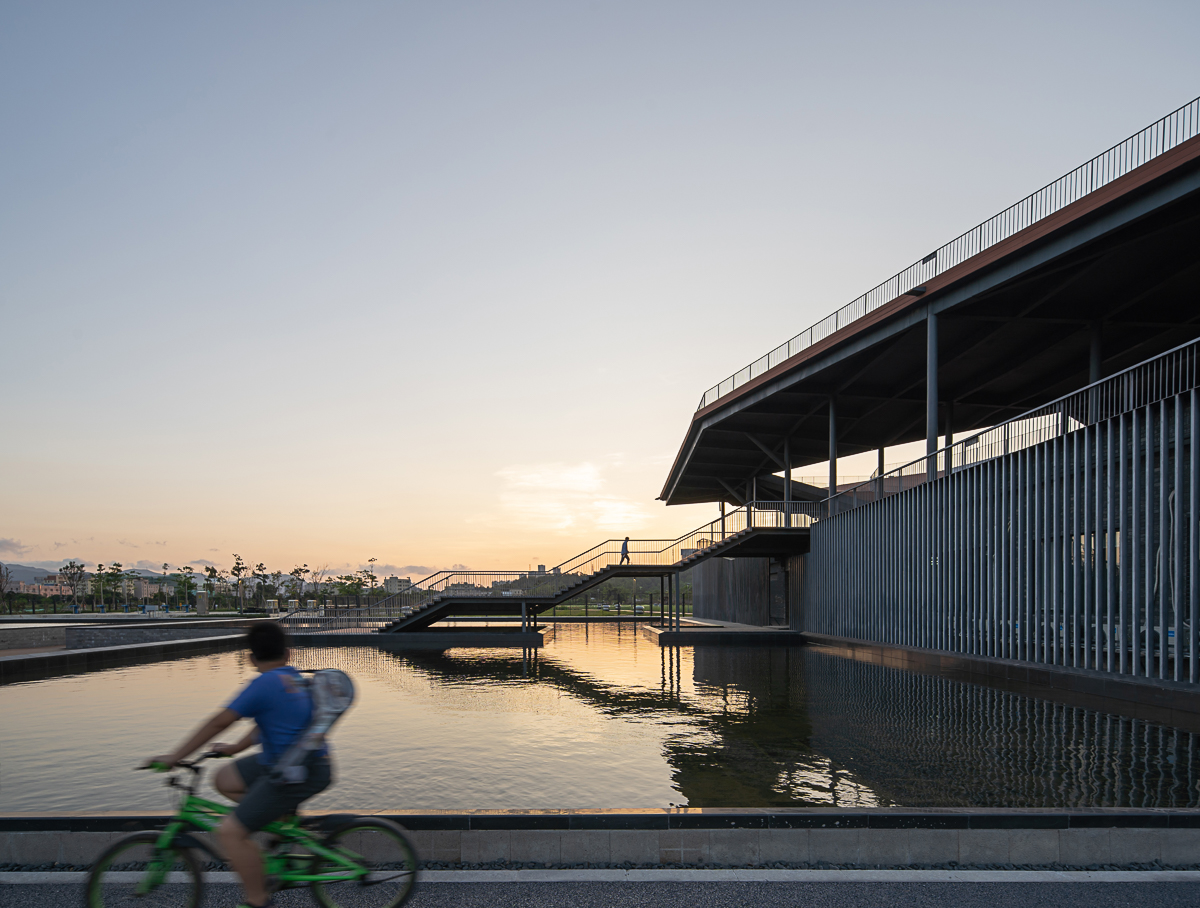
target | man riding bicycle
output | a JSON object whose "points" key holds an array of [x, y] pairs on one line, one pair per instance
{"points": [[281, 707]]}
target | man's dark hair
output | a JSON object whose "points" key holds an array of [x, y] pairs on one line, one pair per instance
{"points": [[267, 641]]}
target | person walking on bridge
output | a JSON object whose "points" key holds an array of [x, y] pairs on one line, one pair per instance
{"points": [[625, 552]]}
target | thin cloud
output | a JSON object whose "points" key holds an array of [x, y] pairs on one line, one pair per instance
{"points": [[14, 546], [404, 570], [558, 496]]}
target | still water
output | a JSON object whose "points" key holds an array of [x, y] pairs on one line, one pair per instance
{"points": [[603, 717]]}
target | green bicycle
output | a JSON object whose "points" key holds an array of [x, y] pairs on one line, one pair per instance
{"points": [[364, 862]]}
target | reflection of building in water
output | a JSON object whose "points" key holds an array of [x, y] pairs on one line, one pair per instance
{"points": [[762, 754], [762, 727], [924, 740]]}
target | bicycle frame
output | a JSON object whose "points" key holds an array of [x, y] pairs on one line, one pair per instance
{"points": [[202, 815]]}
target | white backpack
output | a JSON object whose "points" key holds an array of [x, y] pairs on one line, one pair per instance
{"points": [[332, 692]]}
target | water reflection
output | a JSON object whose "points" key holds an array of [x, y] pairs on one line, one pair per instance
{"points": [[764, 727], [924, 740], [602, 717]]}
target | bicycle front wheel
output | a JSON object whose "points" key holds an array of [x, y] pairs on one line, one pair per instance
{"points": [[379, 848], [133, 871]]}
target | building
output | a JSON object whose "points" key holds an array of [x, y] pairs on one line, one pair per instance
{"points": [[393, 585], [1048, 363], [41, 589], [145, 589]]}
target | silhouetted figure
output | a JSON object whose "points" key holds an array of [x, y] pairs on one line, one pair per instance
{"points": [[625, 552]]}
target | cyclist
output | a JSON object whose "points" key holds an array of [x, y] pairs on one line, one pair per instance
{"points": [[281, 709]]}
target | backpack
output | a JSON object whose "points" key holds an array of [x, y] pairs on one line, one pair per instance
{"points": [[332, 692]]}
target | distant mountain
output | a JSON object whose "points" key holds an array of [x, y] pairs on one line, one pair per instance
{"points": [[30, 574], [26, 574]]}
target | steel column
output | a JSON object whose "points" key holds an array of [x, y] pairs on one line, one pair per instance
{"points": [[1177, 533], [832, 447], [1193, 541], [931, 390], [787, 483]]}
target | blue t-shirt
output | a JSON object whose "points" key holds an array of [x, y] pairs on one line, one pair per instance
{"points": [[281, 706]]}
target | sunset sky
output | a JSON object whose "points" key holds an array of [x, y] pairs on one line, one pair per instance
{"points": [[442, 283]]}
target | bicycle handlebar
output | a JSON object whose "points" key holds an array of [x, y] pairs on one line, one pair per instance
{"points": [[193, 765]]}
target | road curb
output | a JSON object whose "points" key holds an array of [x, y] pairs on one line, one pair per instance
{"points": [[733, 875]]}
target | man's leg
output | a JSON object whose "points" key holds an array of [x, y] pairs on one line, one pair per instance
{"points": [[233, 780], [229, 782], [245, 858]]}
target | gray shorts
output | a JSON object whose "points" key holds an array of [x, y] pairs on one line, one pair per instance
{"points": [[266, 800]]}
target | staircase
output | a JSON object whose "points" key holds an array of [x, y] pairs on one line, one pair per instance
{"points": [[530, 592]]}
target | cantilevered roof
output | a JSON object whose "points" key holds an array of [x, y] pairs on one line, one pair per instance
{"points": [[1112, 248]]}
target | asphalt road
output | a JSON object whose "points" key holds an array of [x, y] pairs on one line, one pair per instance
{"points": [[712, 895]]}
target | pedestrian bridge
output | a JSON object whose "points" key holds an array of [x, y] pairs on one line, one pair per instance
{"points": [[762, 528]]}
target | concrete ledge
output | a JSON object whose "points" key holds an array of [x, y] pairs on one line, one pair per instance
{"points": [[682, 875], [134, 618], [722, 636], [866, 838], [690, 818], [422, 640], [86, 635], [1166, 702], [89, 637], [74, 661], [585, 619]]}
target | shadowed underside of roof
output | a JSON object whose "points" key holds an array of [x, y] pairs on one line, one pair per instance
{"points": [[1016, 325]]}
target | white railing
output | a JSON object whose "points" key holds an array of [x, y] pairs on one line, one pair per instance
{"points": [[1172, 130]]}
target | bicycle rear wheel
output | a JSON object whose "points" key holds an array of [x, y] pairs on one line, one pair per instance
{"points": [[133, 872], [379, 846]]}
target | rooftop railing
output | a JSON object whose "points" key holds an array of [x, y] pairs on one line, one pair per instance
{"points": [[1144, 146], [1164, 376]]}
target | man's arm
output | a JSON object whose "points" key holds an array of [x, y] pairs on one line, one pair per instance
{"points": [[250, 739], [205, 733]]}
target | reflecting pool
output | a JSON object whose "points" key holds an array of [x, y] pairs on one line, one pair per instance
{"points": [[602, 717]]}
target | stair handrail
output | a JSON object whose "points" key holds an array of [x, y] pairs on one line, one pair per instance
{"points": [[666, 553]]}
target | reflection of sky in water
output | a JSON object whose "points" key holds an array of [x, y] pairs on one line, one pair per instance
{"points": [[603, 717]]}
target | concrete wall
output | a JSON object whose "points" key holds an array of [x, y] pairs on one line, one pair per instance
{"points": [[735, 847], [88, 637], [1174, 704], [736, 589], [757, 591], [795, 583], [30, 637], [36, 666]]}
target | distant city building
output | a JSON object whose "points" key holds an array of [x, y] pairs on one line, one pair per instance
{"points": [[395, 584], [144, 589], [41, 589]]}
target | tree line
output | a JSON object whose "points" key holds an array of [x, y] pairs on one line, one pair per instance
{"points": [[244, 586]]}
